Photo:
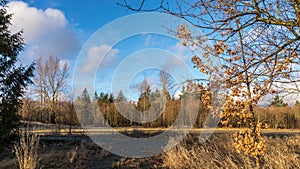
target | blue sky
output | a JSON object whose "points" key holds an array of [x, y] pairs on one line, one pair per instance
{"points": [[88, 16], [63, 28]]}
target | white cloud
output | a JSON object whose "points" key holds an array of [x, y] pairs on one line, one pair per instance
{"points": [[182, 55], [46, 32], [95, 55]]}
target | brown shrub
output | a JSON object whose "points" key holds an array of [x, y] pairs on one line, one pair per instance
{"points": [[218, 152]]}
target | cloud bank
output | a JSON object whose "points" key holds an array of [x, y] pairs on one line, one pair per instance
{"points": [[104, 53], [46, 32]]}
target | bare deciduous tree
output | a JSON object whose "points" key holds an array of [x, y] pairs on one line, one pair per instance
{"points": [[258, 44], [166, 82], [50, 82]]}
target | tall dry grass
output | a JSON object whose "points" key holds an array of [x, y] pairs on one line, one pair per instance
{"points": [[26, 151], [219, 153]]}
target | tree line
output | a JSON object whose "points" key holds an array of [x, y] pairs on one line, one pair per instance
{"points": [[87, 109]]}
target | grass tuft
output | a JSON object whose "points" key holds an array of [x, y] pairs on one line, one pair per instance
{"points": [[26, 151]]}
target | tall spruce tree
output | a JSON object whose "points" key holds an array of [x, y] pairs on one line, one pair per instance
{"points": [[278, 102], [14, 77], [84, 109]]}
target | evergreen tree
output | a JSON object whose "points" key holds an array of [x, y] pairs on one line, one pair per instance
{"points": [[121, 97], [84, 107], [14, 78], [96, 96], [278, 102], [111, 98], [144, 102], [85, 96], [103, 98]]}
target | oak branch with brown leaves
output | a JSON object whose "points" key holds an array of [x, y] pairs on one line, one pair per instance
{"points": [[258, 44]]}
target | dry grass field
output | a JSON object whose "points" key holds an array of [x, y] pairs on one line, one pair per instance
{"points": [[217, 152]]}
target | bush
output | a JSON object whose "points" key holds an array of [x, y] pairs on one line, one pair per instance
{"points": [[218, 153]]}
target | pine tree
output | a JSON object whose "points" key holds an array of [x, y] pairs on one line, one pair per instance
{"points": [[278, 102], [111, 98], [121, 97], [96, 96], [85, 96], [14, 78], [144, 102], [84, 107]]}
